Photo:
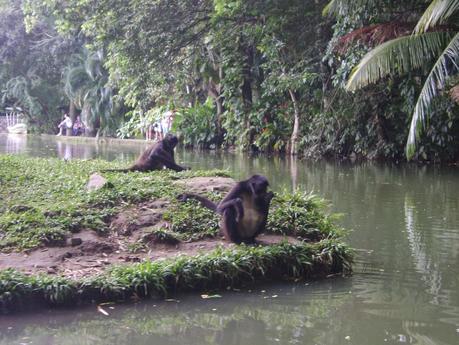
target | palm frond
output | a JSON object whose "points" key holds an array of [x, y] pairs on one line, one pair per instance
{"points": [[446, 65], [437, 13], [397, 56]]}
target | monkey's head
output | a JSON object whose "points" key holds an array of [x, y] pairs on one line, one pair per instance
{"points": [[170, 140], [258, 183]]}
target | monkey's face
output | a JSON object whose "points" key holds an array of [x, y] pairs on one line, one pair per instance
{"points": [[259, 184], [171, 140]]}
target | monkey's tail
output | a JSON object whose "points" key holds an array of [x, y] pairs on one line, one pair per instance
{"points": [[203, 200]]}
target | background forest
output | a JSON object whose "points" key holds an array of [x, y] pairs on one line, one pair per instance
{"points": [[373, 79]]}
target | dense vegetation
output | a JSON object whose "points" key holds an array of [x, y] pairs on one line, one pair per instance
{"points": [[285, 76]]}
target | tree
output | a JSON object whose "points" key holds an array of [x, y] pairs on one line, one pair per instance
{"points": [[432, 41], [31, 65], [86, 85]]}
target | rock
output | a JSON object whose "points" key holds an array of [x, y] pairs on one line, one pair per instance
{"points": [[201, 185], [96, 182], [76, 241], [20, 208]]}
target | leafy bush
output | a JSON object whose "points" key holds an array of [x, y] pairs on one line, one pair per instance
{"points": [[196, 125]]}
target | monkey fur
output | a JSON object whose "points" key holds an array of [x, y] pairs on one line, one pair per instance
{"points": [[156, 157], [244, 210]]}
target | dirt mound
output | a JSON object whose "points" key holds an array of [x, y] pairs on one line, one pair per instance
{"points": [[140, 216], [87, 253]]}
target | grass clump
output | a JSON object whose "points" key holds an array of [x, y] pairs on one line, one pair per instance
{"points": [[162, 235], [303, 215], [191, 220]]}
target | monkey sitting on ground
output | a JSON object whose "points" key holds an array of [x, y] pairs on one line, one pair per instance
{"points": [[156, 157], [244, 210]]}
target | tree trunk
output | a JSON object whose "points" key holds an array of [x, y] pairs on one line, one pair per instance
{"points": [[246, 89], [214, 91], [294, 173], [296, 124], [86, 118], [72, 111]]}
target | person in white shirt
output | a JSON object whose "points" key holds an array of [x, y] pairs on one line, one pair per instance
{"points": [[65, 123], [166, 122]]}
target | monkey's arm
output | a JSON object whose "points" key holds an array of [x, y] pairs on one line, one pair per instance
{"points": [[203, 200], [265, 202], [236, 203], [233, 199]]}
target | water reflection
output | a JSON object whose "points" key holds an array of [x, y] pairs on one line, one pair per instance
{"points": [[405, 289], [15, 143]]}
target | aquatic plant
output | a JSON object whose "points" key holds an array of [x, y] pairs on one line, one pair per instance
{"points": [[302, 214]]}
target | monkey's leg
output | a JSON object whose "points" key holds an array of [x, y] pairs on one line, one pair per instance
{"points": [[230, 225]]}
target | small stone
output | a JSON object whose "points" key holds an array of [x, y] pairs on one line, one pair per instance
{"points": [[96, 182], [76, 241]]}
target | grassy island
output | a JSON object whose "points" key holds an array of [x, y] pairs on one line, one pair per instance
{"points": [[63, 244]]}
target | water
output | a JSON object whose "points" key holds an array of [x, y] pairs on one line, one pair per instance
{"points": [[405, 288]]}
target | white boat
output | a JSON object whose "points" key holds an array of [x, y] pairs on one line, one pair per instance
{"points": [[19, 128]]}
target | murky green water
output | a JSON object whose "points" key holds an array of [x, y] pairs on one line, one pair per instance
{"points": [[405, 288]]}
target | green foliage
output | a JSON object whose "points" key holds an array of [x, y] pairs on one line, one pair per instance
{"points": [[86, 85], [257, 75], [31, 65], [44, 199], [196, 125], [192, 221], [409, 53], [302, 215], [139, 121]]}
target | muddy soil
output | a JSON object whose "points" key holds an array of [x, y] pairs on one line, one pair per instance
{"points": [[86, 253]]}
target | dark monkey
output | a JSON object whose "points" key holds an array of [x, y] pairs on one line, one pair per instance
{"points": [[244, 210], [156, 157]]}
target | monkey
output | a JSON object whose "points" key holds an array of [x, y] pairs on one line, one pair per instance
{"points": [[156, 157], [244, 210]]}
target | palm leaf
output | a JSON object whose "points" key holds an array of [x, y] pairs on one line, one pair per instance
{"points": [[445, 66], [438, 12], [397, 56]]}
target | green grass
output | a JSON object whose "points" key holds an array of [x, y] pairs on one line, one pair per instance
{"points": [[43, 200], [221, 268], [302, 214]]}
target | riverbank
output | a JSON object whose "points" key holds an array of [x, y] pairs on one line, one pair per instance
{"points": [[64, 245]]}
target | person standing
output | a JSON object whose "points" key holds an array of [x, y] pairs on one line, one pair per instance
{"points": [[166, 122]]}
